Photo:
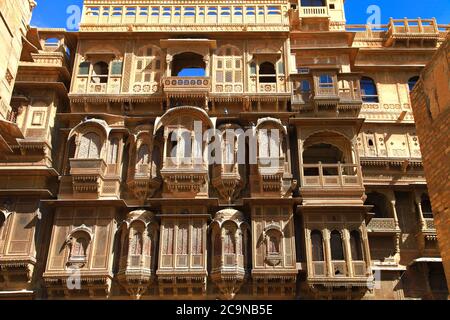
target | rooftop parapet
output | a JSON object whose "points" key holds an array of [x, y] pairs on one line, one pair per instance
{"points": [[179, 15], [401, 31]]}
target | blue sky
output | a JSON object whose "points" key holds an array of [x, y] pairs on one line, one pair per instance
{"points": [[52, 13]]}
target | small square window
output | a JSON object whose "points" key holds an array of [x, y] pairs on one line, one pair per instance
{"points": [[332, 7], [38, 118]]}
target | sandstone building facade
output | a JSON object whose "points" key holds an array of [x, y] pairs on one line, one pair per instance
{"points": [[14, 19], [320, 193], [431, 105]]}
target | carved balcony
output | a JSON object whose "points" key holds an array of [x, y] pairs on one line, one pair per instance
{"points": [[228, 181], [187, 87], [184, 179], [314, 12], [272, 178], [427, 238], [319, 181], [339, 98], [407, 30], [87, 175], [144, 184], [321, 277], [230, 235], [383, 226]]}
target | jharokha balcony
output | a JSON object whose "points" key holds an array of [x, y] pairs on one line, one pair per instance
{"points": [[87, 175], [314, 12], [325, 93], [318, 180]]}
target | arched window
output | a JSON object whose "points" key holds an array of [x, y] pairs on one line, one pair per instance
{"points": [[412, 82], [273, 242], [317, 246], [78, 245], [100, 72], [271, 143], [143, 154], [337, 251], [229, 242], [228, 65], [379, 203], [90, 147], [136, 243], [425, 204], [356, 246], [148, 65], [369, 90], [267, 73], [188, 64]]}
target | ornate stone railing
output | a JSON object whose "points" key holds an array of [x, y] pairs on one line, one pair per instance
{"points": [[413, 27], [429, 223], [158, 14], [87, 167], [313, 12], [359, 268], [331, 175], [319, 269], [382, 225], [187, 85]]}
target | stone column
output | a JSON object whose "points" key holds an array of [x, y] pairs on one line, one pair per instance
{"points": [[326, 240], [419, 209], [348, 252]]}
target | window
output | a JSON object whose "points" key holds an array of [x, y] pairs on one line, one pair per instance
{"points": [[325, 81], [229, 242], [116, 68], [425, 204], [369, 90], [270, 143], [356, 246], [83, 69], [229, 66], [412, 82], [143, 154], [379, 203], [100, 72], [305, 86], [136, 243], [317, 246], [148, 65], [267, 73], [78, 245], [337, 251], [273, 242], [90, 146], [313, 3]]}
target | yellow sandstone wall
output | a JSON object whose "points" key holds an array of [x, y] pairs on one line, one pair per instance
{"points": [[431, 104]]}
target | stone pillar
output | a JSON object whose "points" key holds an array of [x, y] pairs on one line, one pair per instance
{"points": [[169, 59], [348, 252], [326, 239], [419, 209], [207, 65]]}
